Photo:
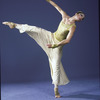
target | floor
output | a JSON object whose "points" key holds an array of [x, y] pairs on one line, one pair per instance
{"points": [[84, 89]]}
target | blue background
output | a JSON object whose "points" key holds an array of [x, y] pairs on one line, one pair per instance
{"points": [[22, 60]]}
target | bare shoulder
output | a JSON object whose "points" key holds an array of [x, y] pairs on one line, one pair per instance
{"points": [[65, 19], [65, 15]]}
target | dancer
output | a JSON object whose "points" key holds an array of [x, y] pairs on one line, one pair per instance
{"points": [[52, 43]]}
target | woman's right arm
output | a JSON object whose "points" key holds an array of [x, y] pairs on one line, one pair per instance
{"points": [[63, 13]]}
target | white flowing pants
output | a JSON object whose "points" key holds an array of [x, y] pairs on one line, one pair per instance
{"points": [[44, 37]]}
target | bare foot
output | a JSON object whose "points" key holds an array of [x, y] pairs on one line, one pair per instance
{"points": [[10, 24], [57, 96]]}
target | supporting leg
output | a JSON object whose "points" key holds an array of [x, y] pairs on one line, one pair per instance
{"points": [[57, 54], [57, 95], [55, 86]]}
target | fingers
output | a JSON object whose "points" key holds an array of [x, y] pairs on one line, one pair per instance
{"points": [[49, 45]]}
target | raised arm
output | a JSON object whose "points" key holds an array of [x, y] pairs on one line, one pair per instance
{"points": [[63, 13]]}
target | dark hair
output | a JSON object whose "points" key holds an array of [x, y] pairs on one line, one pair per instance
{"points": [[81, 13]]}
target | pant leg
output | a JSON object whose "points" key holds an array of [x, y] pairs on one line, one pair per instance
{"points": [[56, 59], [44, 37], [41, 36], [27, 28], [58, 74]]}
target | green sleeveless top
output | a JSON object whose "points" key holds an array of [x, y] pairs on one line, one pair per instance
{"points": [[62, 31]]}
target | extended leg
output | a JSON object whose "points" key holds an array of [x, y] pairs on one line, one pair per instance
{"points": [[23, 27], [10, 24], [40, 35]]}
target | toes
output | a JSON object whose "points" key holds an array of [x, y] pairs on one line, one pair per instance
{"points": [[5, 23], [58, 96]]}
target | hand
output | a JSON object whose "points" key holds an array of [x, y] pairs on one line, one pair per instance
{"points": [[49, 45], [48, 0], [52, 45]]}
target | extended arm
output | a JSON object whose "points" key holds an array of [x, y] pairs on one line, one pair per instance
{"points": [[58, 8]]}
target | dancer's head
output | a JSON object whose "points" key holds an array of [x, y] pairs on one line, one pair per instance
{"points": [[79, 16]]}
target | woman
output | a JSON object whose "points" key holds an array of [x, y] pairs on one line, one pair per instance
{"points": [[52, 43]]}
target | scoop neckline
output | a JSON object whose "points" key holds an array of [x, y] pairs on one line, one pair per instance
{"points": [[67, 24]]}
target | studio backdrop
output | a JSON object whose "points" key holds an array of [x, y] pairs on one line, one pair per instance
{"points": [[22, 60]]}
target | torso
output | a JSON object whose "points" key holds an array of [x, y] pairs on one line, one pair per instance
{"points": [[63, 30]]}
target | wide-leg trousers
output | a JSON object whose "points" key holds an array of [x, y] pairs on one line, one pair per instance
{"points": [[42, 38]]}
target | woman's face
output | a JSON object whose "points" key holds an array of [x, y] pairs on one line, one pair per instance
{"points": [[79, 16]]}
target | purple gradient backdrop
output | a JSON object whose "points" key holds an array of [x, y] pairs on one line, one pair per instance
{"points": [[23, 60]]}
